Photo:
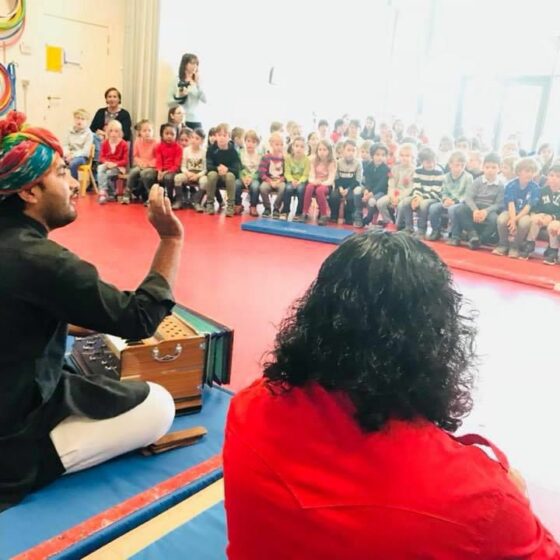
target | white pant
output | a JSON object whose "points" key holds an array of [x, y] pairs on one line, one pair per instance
{"points": [[82, 442]]}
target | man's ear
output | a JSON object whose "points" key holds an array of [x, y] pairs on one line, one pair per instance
{"points": [[29, 196]]}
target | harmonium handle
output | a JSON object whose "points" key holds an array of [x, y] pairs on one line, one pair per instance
{"points": [[167, 357]]}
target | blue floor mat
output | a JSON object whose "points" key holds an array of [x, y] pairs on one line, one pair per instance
{"points": [[297, 230], [76, 498], [202, 538]]}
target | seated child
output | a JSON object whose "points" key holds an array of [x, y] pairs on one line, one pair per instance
{"points": [[353, 133], [237, 134], [521, 194], [168, 154], [322, 171], [507, 169], [364, 152], [347, 182], [312, 142], [223, 167], [545, 157], [400, 184], [271, 175], [338, 132], [296, 172], [113, 158], [454, 188], [143, 173], [249, 176], [368, 132], [474, 164], [79, 140], [463, 143], [484, 199], [193, 174], [445, 150], [426, 191], [376, 185], [546, 213], [323, 129]]}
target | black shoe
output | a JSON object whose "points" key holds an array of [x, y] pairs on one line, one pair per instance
{"points": [[434, 236], [474, 243], [526, 250], [454, 242], [276, 214], [551, 256], [266, 213]]}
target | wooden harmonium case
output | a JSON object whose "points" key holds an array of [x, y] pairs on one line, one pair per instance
{"points": [[181, 356]]}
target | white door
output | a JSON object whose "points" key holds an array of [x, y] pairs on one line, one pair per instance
{"points": [[84, 75]]}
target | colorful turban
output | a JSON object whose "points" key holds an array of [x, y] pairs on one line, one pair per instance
{"points": [[26, 153]]}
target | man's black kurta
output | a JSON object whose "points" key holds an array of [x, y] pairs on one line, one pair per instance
{"points": [[43, 288]]}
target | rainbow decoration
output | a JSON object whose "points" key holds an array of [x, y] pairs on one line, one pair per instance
{"points": [[12, 24], [7, 87]]}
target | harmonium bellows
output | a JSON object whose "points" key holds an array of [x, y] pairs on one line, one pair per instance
{"points": [[187, 351]]}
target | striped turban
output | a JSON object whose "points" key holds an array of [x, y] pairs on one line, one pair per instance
{"points": [[26, 153]]}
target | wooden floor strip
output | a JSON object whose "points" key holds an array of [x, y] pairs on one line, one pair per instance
{"points": [[134, 541]]}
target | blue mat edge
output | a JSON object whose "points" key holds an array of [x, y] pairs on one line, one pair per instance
{"points": [[252, 226], [97, 540]]}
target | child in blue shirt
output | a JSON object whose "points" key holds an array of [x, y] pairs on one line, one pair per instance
{"points": [[521, 195]]}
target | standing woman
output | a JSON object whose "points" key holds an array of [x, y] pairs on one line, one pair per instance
{"points": [[112, 111], [186, 91]]}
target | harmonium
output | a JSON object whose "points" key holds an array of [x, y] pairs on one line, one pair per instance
{"points": [[187, 352]]}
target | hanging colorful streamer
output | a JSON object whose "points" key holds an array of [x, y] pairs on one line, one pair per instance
{"points": [[12, 24], [7, 87]]}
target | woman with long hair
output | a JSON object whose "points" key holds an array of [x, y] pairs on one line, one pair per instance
{"points": [[186, 90], [345, 448]]}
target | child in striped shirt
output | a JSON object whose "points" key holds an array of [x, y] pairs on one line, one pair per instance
{"points": [[271, 174], [426, 191]]}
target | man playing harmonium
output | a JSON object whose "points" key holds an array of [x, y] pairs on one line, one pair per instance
{"points": [[53, 420]]}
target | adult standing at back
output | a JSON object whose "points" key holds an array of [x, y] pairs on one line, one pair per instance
{"points": [[112, 111], [186, 91]]}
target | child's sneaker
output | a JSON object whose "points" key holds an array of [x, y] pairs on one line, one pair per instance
{"points": [[358, 223], [513, 253], [551, 256], [322, 221], [297, 218], [474, 242], [253, 211], [454, 242], [125, 199], [102, 198], [210, 210], [177, 205], [230, 211], [198, 207], [434, 236], [266, 213], [500, 251], [527, 250], [284, 216], [275, 214], [238, 209]]}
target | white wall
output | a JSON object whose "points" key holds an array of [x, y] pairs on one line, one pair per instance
{"points": [[92, 31], [333, 58]]}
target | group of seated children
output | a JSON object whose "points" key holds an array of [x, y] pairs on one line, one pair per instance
{"points": [[481, 200]]}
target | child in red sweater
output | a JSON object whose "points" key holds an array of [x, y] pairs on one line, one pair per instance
{"points": [[113, 158], [168, 159]]}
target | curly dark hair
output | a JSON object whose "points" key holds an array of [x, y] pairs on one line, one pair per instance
{"points": [[382, 323]]}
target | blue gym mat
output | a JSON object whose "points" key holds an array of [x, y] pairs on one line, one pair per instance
{"points": [[202, 538], [74, 499], [297, 230]]}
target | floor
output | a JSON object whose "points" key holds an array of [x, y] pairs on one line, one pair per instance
{"points": [[247, 281]]}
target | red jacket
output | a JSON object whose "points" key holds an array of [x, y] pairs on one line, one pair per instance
{"points": [[119, 156], [302, 480], [168, 156]]}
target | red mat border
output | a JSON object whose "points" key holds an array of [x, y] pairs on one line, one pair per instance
{"points": [[83, 530]]}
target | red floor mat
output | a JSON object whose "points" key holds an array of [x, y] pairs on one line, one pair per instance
{"points": [[532, 272]]}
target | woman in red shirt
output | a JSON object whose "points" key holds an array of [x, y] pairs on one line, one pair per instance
{"points": [[344, 449]]}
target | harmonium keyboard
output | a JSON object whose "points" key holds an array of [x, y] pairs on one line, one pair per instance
{"points": [[187, 351]]}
